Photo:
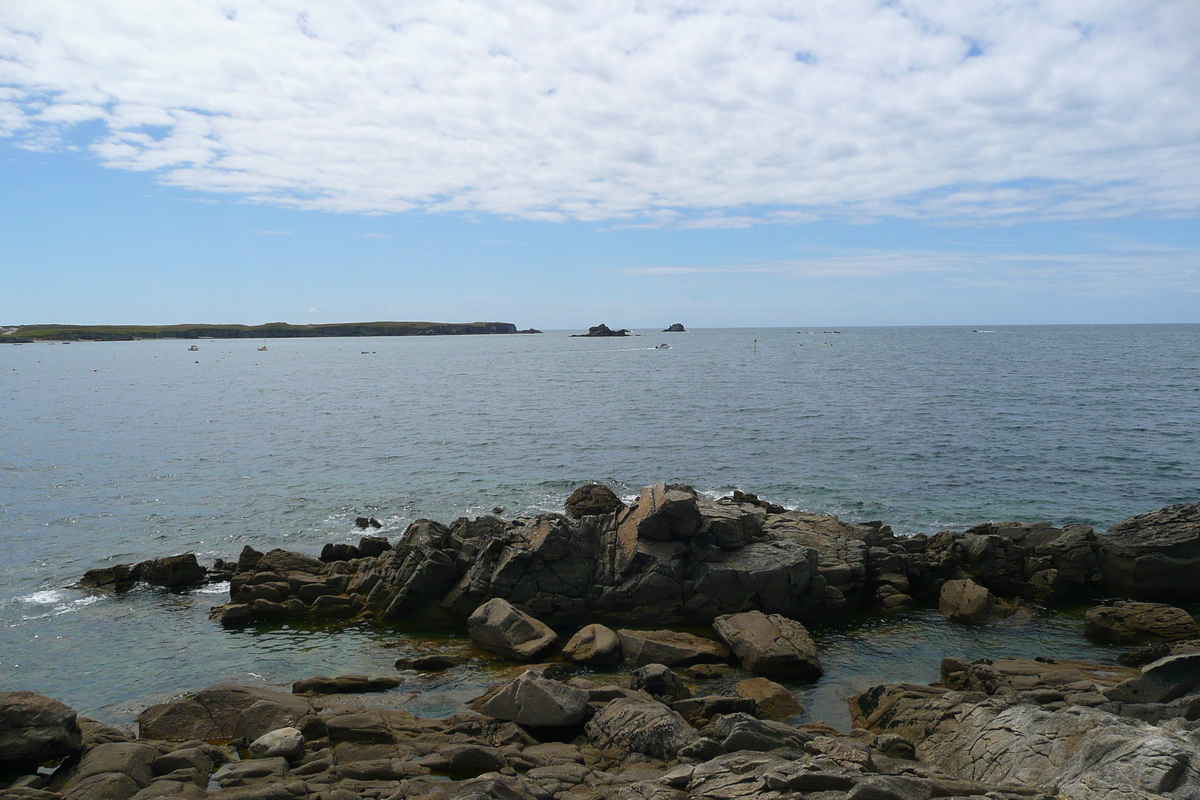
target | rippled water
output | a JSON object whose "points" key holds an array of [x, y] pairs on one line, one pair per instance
{"points": [[123, 451]]}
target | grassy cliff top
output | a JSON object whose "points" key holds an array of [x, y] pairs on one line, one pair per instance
{"points": [[272, 330]]}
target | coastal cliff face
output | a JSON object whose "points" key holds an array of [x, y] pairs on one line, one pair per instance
{"points": [[676, 557]]}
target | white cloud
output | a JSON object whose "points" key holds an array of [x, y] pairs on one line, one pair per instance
{"points": [[1137, 271], [646, 112]]}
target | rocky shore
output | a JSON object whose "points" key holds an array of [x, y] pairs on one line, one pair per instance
{"points": [[638, 652]]}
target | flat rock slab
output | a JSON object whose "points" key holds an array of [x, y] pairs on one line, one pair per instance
{"points": [[672, 648], [1128, 622]]}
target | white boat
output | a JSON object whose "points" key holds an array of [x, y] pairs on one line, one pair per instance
{"points": [[663, 346], [193, 348]]}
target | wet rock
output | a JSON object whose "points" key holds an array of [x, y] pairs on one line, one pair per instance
{"points": [[367, 522], [594, 646], [344, 684], [770, 645], [658, 680], [173, 572], [593, 499], [34, 729], [672, 648], [1134, 622], [538, 702], [498, 627], [117, 578], [640, 726], [771, 700]]}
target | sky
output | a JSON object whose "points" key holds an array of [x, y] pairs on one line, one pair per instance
{"points": [[560, 164]]}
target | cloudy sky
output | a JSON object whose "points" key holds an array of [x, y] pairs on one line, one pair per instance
{"points": [[558, 164]]}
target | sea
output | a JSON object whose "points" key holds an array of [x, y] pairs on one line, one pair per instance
{"points": [[117, 452]]}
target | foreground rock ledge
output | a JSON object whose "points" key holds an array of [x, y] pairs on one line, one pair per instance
{"points": [[677, 557]]}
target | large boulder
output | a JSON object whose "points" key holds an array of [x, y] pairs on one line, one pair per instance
{"points": [[770, 645], [34, 729], [538, 702], [641, 726], [741, 731], [594, 646], [591, 500], [672, 648], [1135, 622], [1154, 556], [771, 700], [498, 627]]}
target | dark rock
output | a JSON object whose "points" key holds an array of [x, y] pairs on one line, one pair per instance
{"points": [[770, 645], [117, 578], [700, 709], [1134, 622], [35, 729], [601, 330], [173, 572], [676, 327], [1154, 556], [498, 627], [344, 684], [371, 546], [465, 759], [248, 560], [660, 681], [338, 552], [592, 499]]}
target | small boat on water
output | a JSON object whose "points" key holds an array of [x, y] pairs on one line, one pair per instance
{"points": [[193, 348], [264, 347], [663, 346]]}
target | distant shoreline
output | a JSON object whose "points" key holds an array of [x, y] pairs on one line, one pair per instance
{"points": [[271, 330]]}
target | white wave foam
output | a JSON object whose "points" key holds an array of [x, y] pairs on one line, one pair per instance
{"points": [[213, 588]]}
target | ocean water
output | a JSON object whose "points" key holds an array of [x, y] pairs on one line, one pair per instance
{"points": [[117, 452]]}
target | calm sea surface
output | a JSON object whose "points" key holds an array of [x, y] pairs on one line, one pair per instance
{"points": [[123, 451]]}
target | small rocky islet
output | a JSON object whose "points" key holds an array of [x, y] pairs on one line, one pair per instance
{"points": [[623, 710]]}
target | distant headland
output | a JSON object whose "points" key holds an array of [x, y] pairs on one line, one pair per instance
{"points": [[271, 330]]}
